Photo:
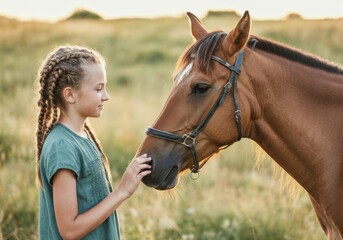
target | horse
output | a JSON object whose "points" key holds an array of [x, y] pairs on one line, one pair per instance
{"points": [[230, 85]]}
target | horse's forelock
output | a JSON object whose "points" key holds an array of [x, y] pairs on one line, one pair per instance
{"points": [[201, 52]]}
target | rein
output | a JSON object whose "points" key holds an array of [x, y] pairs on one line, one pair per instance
{"points": [[189, 139]]}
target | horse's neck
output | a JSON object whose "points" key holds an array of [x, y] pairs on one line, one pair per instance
{"points": [[301, 119]]}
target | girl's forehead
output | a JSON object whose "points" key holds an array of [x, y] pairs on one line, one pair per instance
{"points": [[95, 72]]}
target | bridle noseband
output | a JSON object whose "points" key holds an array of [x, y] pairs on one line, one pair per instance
{"points": [[188, 139]]}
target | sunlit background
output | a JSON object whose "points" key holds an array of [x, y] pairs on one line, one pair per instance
{"points": [[263, 9], [234, 198]]}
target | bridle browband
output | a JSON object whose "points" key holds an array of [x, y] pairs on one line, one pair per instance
{"points": [[188, 139]]}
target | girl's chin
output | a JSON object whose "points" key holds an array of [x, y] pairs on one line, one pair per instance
{"points": [[97, 115]]}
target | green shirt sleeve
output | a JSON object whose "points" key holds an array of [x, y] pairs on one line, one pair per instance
{"points": [[62, 155]]}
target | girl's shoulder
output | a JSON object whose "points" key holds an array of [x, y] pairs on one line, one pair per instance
{"points": [[61, 132], [60, 138], [58, 134]]}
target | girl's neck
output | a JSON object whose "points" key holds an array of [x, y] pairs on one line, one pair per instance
{"points": [[72, 124]]}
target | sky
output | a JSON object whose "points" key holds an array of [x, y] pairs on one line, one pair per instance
{"points": [[54, 10]]}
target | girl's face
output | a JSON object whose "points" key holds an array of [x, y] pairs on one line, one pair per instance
{"points": [[92, 94]]}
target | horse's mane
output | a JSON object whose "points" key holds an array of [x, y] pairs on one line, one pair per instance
{"points": [[293, 54], [202, 50]]}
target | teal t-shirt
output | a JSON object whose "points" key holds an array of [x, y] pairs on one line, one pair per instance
{"points": [[63, 149]]}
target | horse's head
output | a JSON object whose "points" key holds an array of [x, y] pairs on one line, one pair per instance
{"points": [[198, 117]]}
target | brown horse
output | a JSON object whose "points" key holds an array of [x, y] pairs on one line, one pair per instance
{"points": [[287, 101]]}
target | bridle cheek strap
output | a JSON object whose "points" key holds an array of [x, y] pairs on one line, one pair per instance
{"points": [[188, 140]]}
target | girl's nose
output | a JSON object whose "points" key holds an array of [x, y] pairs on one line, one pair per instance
{"points": [[105, 97]]}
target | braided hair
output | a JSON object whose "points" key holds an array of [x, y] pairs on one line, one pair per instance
{"points": [[62, 68]]}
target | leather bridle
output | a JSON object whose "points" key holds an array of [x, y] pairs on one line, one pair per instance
{"points": [[189, 139]]}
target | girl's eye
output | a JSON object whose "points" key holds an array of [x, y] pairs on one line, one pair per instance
{"points": [[200, 88]]}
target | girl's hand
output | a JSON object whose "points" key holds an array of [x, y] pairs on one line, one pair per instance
{"points": [[137, 169]]}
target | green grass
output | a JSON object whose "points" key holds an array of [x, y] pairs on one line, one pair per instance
{"points": [[233, 199]]}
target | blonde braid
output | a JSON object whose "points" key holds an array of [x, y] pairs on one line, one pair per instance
{"points": [[45, 114], [52, 106], [62, 68], [42, 103]]}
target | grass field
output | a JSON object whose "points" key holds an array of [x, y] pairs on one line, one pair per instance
{"points": [[234, 198]]}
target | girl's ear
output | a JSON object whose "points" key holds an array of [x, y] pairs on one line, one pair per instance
{"points": [[68, 95]]}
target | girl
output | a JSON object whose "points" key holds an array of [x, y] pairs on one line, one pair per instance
{"points": [[76, 196]]}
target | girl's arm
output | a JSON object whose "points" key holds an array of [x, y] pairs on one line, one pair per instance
{"points": [[73, 225]]}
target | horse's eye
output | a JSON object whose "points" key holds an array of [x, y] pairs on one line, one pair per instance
{"points": [[200, 88]]}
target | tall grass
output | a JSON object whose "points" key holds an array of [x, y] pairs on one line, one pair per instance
{"points": [[231, 200]]}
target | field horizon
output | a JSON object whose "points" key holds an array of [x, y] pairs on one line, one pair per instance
{"points": [[83, 13]]}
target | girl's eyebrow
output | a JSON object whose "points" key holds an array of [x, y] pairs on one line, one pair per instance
{"points": [[101, 84]]}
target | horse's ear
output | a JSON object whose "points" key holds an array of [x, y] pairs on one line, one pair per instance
{"points": [[239, 36], [197, 29]]}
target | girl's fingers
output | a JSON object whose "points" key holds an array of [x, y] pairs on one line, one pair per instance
{"points": [[144, 173], [141, 160], [144, 165], [140, 166]]}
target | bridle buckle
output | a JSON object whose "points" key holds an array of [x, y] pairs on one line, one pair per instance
{"points": [[238, 115], [188, 140]]}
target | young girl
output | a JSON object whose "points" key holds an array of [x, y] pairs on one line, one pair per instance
{"points": [[76, 196]]}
